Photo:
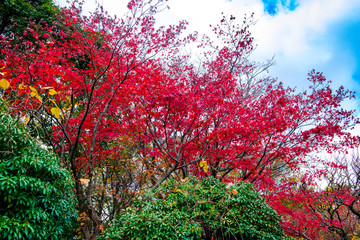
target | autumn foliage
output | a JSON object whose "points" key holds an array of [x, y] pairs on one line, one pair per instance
{"points": [[125, 109]]}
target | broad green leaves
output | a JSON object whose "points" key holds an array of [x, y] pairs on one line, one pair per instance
{"points": [[16, 14], [36, 198], [194, 209]]}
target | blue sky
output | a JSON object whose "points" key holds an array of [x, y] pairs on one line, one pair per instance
{"points": [[302, 34], [339, 38], [272, 7]]}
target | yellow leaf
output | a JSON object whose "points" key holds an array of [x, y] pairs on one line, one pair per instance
{"points": [[234, 191], [21, 86], [56, 112], [52, 92], [204, 166], [4, 84], [84, 181], [34, 93], [2, 73], [27, 119], [33, 89], [39, 98]]}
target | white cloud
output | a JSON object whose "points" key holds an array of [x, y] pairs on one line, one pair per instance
{"points": [[293, 32], [299, 38]]}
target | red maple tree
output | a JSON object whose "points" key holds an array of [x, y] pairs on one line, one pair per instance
{"points": [[103, 91]]}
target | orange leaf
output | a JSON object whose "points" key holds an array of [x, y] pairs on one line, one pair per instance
{"points": [[4, 84], [52, 92], [234, 191], [22, 86], [84, 181]]}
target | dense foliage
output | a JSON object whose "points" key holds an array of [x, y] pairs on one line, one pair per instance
{"points": [[15, 15], [36, 196], [125, 109], [194, 209]]}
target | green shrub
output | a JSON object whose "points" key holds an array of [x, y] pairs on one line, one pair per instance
{"points": [[36, 196], [196, 209], [21, 12]]}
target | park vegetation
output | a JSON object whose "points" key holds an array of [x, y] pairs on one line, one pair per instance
{"points": [[155, 144]]}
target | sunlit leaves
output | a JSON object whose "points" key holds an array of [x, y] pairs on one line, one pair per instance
{"points": [[22, 86], [84, 181], [204, 166], [56, 112], [27, 119], [52, 92], [34, 93], [4, 84], [118, 114]]}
